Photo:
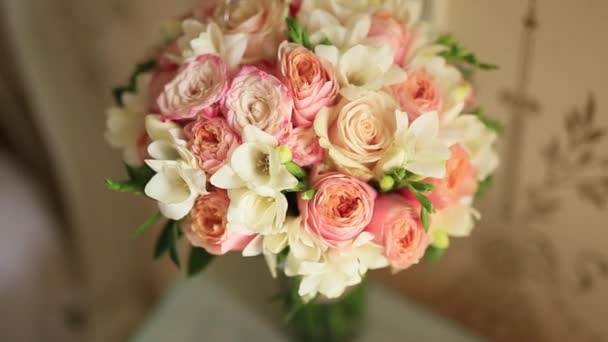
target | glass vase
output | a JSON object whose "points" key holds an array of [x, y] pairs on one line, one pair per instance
{"points": [[322, 319]]}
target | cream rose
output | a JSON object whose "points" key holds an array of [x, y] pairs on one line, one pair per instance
{"points": [[357, 133], [263, 21], [259, 99], [199, 85]]}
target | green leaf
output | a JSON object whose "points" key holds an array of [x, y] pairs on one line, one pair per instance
{"points": [[424, 218], [124, 186], [199, 259], [164, 240], [399, 173], [138, 179], [424, 201], [308, 194], [302, 186], [457, 53], [295, 170], [297, 34], [173, 251], [131, 87], [148, 223], [434, 254], [140, 175], [422, 187], [484, 186]]}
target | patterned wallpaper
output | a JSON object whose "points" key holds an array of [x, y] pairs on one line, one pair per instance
{"points": [[537, 268]]}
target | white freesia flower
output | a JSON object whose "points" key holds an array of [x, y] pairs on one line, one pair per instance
{"points": [[342, 9], [249, 213], [125, 126], [178, 181], [477, 139], [456, 220], [231, 48], [301, 244], [256, 165], [417, 148], [324, 26], [191, 29], [406, 11], [254, 177], [446, 77], [337, 269], [363, 68]]}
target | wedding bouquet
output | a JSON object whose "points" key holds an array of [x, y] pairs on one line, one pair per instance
{"points": [[332, 137]]}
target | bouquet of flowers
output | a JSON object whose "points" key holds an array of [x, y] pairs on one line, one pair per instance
{"points": [[332, 137]]}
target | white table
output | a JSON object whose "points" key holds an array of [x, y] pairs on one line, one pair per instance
{"points": [[224, 305]]}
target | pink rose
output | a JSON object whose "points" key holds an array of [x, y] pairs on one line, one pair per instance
{"points": [[206, 226], [340, 210], [311, 81], [304, 145], [198, 85], [385, 27], [460, 180], [260, 99], [263, 21], [397, 227], [418, 94], [211, 141]]}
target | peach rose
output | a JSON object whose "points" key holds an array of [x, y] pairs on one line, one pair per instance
{"points": [[211, 141], [460, 180], [397, 227], [207, 226], [198, 85], [388, 29], [304, 145], [357, 133], [260, 99], [340, 210], [263, 21], [311, 81], [418, 94]]}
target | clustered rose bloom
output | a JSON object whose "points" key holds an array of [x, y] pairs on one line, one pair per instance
{"points": [[397, 227], [211, 141], [263, 21], [259, 99], [198, 85], [357, 133], [340, 210], [207, 225], [385, 27], [460, 180], [311, 81], [304, 145], [418, 94]]}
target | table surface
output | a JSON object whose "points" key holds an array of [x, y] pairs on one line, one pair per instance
{"points": [[224, 305]]}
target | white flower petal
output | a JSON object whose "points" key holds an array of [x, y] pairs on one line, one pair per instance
{"points": [[226, 178], [329, 53], [255, 247], [252, 134]]}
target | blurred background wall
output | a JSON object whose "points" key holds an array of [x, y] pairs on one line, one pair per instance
{"points": [[535, 270]]}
